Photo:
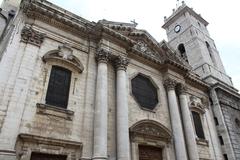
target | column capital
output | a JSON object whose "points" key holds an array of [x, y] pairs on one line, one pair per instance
{"points": [[181, 88], [170, 84], [31, 36], [102, 56], [121, 63]]}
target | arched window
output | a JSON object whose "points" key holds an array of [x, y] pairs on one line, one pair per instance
{"points": [[216, 121], [210, 52], [182, 51], [198, 125]]}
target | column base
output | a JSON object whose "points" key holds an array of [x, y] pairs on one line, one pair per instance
{"points": [[99, 158]]}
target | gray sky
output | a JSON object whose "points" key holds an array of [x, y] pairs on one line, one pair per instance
{"points": [[223, 17]]}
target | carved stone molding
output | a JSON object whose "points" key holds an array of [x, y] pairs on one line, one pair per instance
{"points": [[151, 130], [170, 84], [27, 144], [205, 102], [48, 110], [64, 55], [102, 56], [48, 13], [181, 88], [147, 52], [197, 105], [29, 35], [121, 63]]}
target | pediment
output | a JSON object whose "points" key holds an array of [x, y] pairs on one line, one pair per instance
{"points": [[145, 45], [150, 129], [145, 49], [64, 55]]}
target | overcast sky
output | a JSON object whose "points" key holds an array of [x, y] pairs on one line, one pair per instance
{"points": [[223, 16]]}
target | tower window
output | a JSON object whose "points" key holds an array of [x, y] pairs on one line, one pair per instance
{"points": [[191, 32], [210, 52], [216, 121], [225, 156], [199, 24], [221, 140], [182, 51], [198, 125]]}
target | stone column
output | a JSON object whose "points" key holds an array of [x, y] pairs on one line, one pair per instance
{"points": [[178, 137], [187, 124], [122, 110], [101, 107]]}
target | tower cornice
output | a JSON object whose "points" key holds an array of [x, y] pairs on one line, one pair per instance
{"points": [[180, 11]]}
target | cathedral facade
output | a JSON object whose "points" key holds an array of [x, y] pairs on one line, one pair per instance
{"points": [[72, 89]]}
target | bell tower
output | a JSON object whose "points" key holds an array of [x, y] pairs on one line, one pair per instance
{"points": [[187, 33]]}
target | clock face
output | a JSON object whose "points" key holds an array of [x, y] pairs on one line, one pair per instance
{"points": [[177, 28]]}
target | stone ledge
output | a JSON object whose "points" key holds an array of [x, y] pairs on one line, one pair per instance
{"points": [[46, 109], [47, 140], [28, 143], [202, 142]]}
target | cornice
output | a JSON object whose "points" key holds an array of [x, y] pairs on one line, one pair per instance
{"points": [[226, 88], [145, 36], [180, 11], [195, 81], [117, 35], [42, 11]]}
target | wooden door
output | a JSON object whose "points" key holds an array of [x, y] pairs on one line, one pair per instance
{"points": [[150, 153], [42, 156]]}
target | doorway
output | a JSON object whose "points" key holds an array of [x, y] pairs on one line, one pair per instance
{"points": [[43, 156], [150, 153]]}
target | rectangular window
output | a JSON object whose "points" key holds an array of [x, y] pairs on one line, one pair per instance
{"points": [[225, 156], [221, 140], [198, 125], [58, 87], [216, 121]]}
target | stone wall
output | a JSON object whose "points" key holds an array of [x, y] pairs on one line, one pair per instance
{"points": [[25, 73], [230, 106]]}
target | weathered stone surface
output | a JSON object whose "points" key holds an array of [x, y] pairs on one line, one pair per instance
{"points": [[103, 58]]}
